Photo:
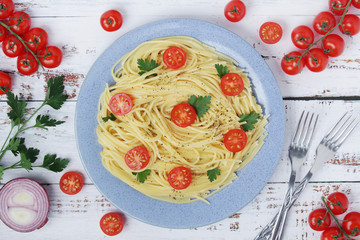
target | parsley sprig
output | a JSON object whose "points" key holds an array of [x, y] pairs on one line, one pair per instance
{"points": [[213, 173], [200, 104], [250, 119], [54, 98], [142, 176], [146, 65], [222, 70]]}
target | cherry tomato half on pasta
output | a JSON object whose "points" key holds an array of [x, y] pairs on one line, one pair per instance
{"points": [[337, 7], [302, 36], [316, 60], [351, 223], [270, 32], [36, 39], [319, 219], [235, 140], [20, 22], [179, 177], [174, 57], [332, 233], [350, 25], [111, 224], [235, 10], [137, 158], [5, 81], [71, 183], [120, 104], [6, 8], [50, 57], [338, 203], [324, 22], [111, 20], [232, 84], [333, 45], [183, 115], [12, 47], [290, 63], [27, 64]]}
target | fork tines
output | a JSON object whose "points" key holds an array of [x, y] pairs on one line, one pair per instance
{"points": [[308, 125]]}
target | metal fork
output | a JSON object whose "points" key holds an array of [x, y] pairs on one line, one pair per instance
{"points": [[326, 149]]}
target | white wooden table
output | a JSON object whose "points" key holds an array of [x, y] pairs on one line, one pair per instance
{"points": [[74, 26]]}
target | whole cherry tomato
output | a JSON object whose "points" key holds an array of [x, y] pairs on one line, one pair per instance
{"points": [[316, 60], [235, 10], [50, 57], [5, 81], [3, 33], [350, 25], [324, 22], [337, 7], [111, 20], [356, 3], [6, 8], [302, 36], [319, 219], [338, 203], [333, 45], [290, 63], [351, 223], [332, 233], [20, 22], [36, 39], [27, 64], [12, 47]]}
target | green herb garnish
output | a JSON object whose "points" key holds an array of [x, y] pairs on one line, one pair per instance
{"points": [[200, 104], [250, 119], [142, 176], [146, 65], [111, 117], [213, 173], [222, 70]]}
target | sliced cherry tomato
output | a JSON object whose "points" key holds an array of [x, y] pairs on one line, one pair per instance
{"points": [[337, 7], [232, 84], [36, 39], [319, 219], [332, 233], [356, 3], [5, 81], [350, 25], [290, 63], [235, 10], [270, 32], [333, 45], [338, 203], [235, 140], [137, 158], [50, 57], [12, 47], [71, 183], [316, 60], [351, 223], [20, 22], [3, 33], [180, 177], [27, 64], [302, 36], [111, 224], [183, 115], [174, 57], [324, 22], [120, 104], [6, 8], [111, 20]]}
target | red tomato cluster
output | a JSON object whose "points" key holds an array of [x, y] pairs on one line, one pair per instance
{"points": [[320, 219], [21, 41], [332, 45]]}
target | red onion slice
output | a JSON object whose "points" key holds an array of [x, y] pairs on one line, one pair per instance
{"points": [[24, 205]]}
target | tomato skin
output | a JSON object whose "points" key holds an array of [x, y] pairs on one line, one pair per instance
{"points": [[270, 32], [337, 7], [183, 115], [333, 45], [71, 183], [356, 3], [6, 8], [50, 57], [120, 104], [3, 33], [350, 25], [232, 84], [324, 22], [20, 22], [180, 178], [27, 64], [319, 219], [316, 60], [36, 39], [137, 158], [111, 224], [302, 36], [12, 47], [289, 63], [235, 140], [332, 233], [174, 57], [338, 203], [5, 81], [111, 20], [235, 10], [351, 223]]}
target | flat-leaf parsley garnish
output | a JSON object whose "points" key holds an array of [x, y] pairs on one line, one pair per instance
{"points": [[111, 117], [142, 176], [146, 65], [222, 70], [200, 104], [250, 119], [213, 173]]}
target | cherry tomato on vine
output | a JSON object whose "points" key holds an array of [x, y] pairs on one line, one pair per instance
{"points": [[356, 3], [27, 64], [316, 60], [50, 57], [302, 36], [351, 223], [71, 183], [290, 63], [111, 224], [183, 115], [5, 81], [174, 57], [333, 45], [36, 39], [319, 219], [111, 20], [20, 22], [270, 32], [3, 33], [235, 10], [137, 158], [120, 104], [235, 140], [324, 22], [12, 47], [338, 203], [332, 233], [6, 8], [179, 177], [232, 84], [350, 25], [337, 7]]}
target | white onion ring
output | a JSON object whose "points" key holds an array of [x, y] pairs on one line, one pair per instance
{"points": [[40, 206]]}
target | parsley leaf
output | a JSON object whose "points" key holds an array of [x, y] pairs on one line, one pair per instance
{"points": [[1, 172], [146, 65], [200, 104], [212, 174], [19, 147], [222, 70], [52, 163], [43, 121], [25, 162], [111, 117], [250, 119], [18, 109], [142, 176], [54, 96]]}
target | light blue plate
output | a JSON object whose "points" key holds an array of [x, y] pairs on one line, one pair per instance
{"points": [[226, 202]]}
